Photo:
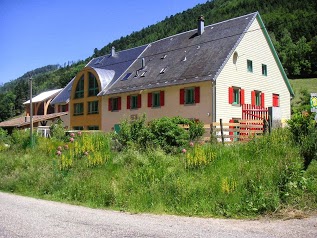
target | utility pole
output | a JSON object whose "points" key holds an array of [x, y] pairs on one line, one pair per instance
{"points": [[31, 114]]}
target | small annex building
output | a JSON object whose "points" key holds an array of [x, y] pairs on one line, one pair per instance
{"points": [[207, 73], [43, 113]]}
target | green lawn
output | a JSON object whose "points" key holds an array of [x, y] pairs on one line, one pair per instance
{"points": [[299, 84]]}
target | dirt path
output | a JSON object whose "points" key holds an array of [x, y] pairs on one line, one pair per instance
{"points": [[29, 217]]}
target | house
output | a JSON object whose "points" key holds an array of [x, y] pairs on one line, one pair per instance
{"points": [[43, 113], [207, 73]]}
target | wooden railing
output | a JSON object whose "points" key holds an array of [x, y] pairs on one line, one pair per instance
{"points": [[243, 130]]}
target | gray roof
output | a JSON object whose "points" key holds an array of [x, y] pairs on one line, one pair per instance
{"points": [[64, 95], [109, 68], [187, 57]]}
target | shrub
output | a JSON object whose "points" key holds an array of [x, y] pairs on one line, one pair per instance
{"points": [[168, 135], [304, 131], [163, 132], [57, 130], [133, 133]]}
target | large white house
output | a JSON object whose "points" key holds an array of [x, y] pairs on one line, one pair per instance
{"points": [[207, 73]]}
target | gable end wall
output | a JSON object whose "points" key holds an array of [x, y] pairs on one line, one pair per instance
{"points": [[255, 47]]}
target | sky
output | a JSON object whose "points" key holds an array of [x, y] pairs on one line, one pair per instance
{"points": [[36, 33]]}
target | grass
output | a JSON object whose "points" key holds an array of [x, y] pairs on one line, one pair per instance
{"points": [[242, 180], [298, 84]]}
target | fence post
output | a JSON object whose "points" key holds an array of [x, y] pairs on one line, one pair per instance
{"points": [[221, 130]]}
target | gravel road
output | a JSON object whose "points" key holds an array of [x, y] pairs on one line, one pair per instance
{"points": [[29, 217]]}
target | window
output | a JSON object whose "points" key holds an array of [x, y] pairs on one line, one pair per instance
{"points": [[190, 95], [93, 107], [114, 104], [78, 128], [276, 100], [134, 101], [257, 98], [236, 96], [264, 70], [156, 99], [93, 85], [79, 93], [91, 128], [249, 65], [78, 109], [126, 76], [63, 108]]}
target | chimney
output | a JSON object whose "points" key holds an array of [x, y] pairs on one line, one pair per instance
{"points": [[113, 51], [201, 25], [143, 63]]}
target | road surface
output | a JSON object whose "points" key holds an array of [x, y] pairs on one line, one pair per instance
{"points": [[29, 217]]}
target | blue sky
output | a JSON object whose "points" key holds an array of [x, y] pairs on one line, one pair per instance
{"points": [[35, 33]]}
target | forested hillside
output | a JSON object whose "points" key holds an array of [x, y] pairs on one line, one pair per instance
{"points": [[291, 24]]}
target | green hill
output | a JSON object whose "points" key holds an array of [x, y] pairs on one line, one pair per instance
{"points": [[291, 24]]}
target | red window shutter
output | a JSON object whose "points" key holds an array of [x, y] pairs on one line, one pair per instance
{"points": [[197, 95], [162, 100], [128, 102], [139, 101], [66, 107], [119, 103], [253, 98], [59, 108], [275, 100], [149, 99], [109, 104], [241, 96], [262, 100], [182, 96], [230, 95]]}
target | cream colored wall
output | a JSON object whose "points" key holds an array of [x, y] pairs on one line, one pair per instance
{"points": [[171, 106], [253, 46]]}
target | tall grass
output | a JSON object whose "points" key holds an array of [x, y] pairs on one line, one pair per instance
{"points": [[239, 180]]}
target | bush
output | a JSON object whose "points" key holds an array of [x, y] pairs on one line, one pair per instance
{"points": [[133, 133], [21, 139], [57, 130], [304, 131], [163, 132]]}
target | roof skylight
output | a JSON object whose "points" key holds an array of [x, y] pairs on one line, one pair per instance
{"points": [[126, 76]]}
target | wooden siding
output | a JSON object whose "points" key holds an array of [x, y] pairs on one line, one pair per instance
{"points": [[253, 46]]}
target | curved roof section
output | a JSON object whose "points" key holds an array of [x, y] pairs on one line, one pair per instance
{"points": [[109, 68], [105, 76]]}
